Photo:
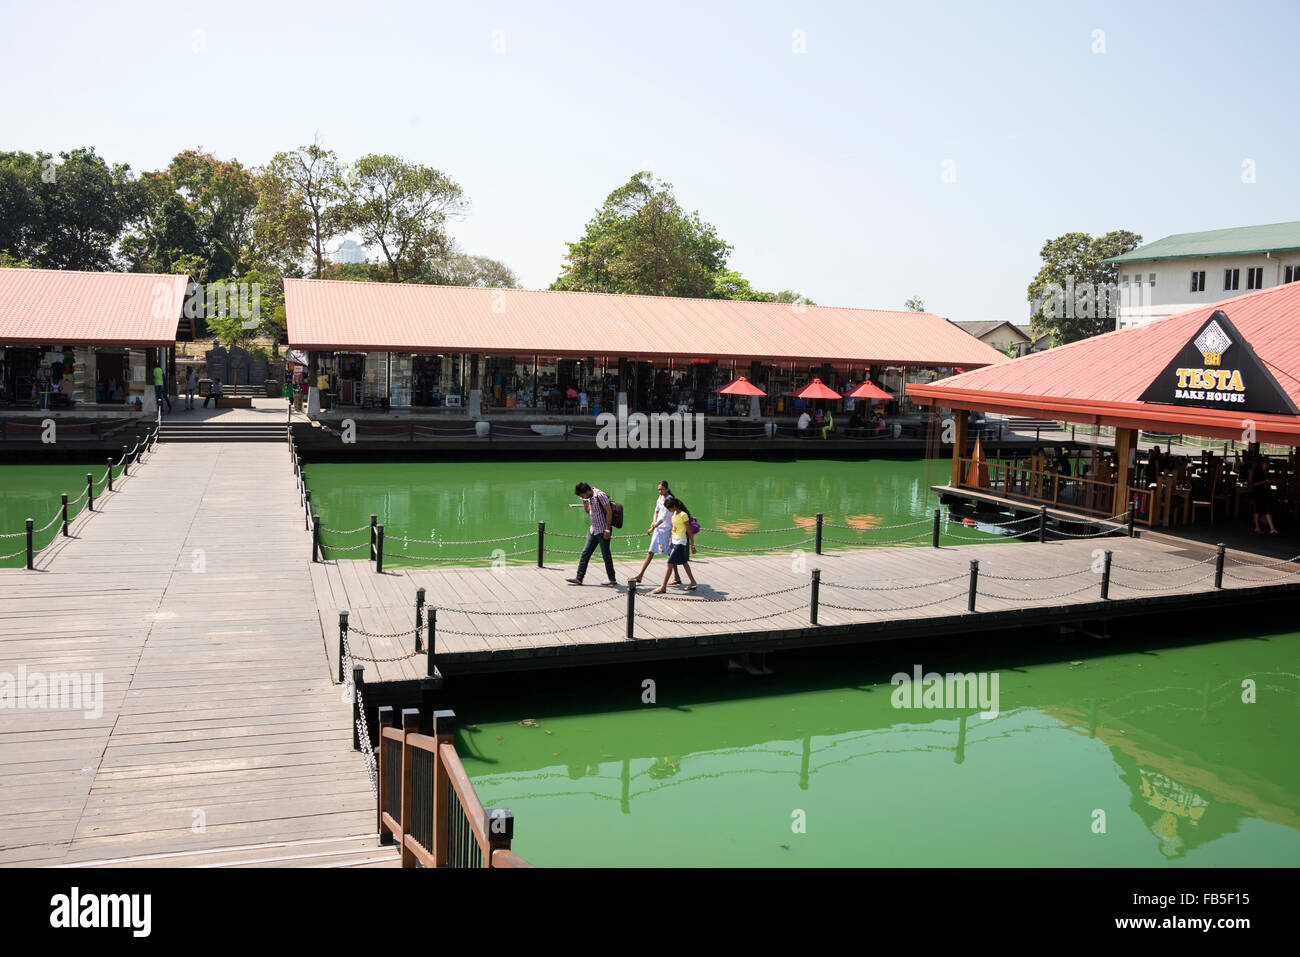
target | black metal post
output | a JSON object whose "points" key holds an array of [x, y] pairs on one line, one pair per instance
{"points": [[126, 461], [935, 539], [541, 543], [64, 498], [974, 584], [1132, 516], [358, 682], [433, 629], [631, 607], [90, 492], [110, 473], [1105, 578], [373, 520], [379, 549], [307, 506], [1042, 523], [343, 641], [1218, 565], [30, 556], [315, 538], [819, 534], [419, 620], [1071, 433], [816, 590]]}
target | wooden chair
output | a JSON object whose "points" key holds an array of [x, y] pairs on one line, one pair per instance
{"points": [[1209, 494]]}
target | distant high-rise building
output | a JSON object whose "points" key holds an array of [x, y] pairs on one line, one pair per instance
{"points": [[349, 251]]}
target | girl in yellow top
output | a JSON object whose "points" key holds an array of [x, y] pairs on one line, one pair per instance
{"points": [[682, 540]]}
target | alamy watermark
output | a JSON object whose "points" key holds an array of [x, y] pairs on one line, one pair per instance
{"points": [[948, 691], [658, 430], [70, 690]]}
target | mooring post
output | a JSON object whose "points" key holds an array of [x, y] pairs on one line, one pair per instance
{"points": [[64, 499], [935, 538], [315, 538], [816, 589], [358, 682], [541, 543], [90, 493], [631, 607], [30, 523], [430, 670], [1132, 515], [110, 473], [1105, 577], [1218, 565], [419, 620], [126, 461], [373, 520], [379, 549], [819, 533], [383, 718], [1042, 523], [307, 507], [343, 642], [974, 584]]}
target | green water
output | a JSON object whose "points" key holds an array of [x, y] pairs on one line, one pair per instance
{"points": [[719, 770], [465, 501], [32, 491]]}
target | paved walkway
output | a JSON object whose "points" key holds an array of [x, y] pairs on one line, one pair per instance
{"points": [[222, 738]]}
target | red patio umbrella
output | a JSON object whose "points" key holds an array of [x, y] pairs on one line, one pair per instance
{"points": [[741, 386], [816, 389], [869, 390]]}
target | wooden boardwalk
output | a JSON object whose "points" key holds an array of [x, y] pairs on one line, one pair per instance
{"points": [[523, 616], [222, 739]]}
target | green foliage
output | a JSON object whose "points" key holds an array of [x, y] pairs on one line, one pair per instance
{"points": [[402, 208], [729, 284], [1075, 260], [457, 268], [641, 241], [299, 204], [915, 304]]}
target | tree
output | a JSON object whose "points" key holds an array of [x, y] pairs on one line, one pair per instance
{"points": [[402, 208], [915, 304], [1076, 291], [461, 269], [299, 202], [729, 284], [63, 215], [640, 241]]}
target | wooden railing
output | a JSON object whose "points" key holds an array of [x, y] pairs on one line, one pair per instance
{"points": [[427, 805], [1050, 488]]}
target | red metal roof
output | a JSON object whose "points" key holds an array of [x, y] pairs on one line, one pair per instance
{"points": [[332, 315], [1101, 379], [59, 307]]}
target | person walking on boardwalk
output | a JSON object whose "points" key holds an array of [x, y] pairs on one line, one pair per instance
{"points": [[597, 505], [683, 541], [660, 532], [191, 383]]}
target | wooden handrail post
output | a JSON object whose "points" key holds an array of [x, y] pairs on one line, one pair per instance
{"points": [[64, 499], [419, 619], [500, 831], [384, 720], [816, 588], [444, 730], [410, 725], [974, 584]]}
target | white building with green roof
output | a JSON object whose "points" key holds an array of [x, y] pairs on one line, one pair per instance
{"points": [[1187, 270]]}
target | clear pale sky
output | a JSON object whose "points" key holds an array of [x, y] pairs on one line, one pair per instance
{"points": [[824, 168]]}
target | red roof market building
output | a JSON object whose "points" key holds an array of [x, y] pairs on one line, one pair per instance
{"points": [[1230, 370], [509, 326], [83, 338]]}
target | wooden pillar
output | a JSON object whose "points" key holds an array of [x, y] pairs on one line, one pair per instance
{"points": [[960, 420], [1126, 443]]}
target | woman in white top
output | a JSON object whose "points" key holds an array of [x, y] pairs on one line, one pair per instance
{"points": [[660, 532]]}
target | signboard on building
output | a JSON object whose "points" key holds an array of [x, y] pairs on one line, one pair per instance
{"points": [[1218, 369]]}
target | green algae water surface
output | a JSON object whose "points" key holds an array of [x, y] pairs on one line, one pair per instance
{"points": [[1130, 754], [32, 491], [473, 501]]}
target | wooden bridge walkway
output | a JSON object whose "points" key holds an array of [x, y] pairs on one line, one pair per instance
{"points": [[222, 740], [518, 617]]}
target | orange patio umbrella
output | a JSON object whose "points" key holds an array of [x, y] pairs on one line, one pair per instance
{"points": [[869, 390], [816, 389], [741, 386]]}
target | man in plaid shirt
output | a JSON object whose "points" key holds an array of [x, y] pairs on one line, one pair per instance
{"points": [[596, 503]]}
